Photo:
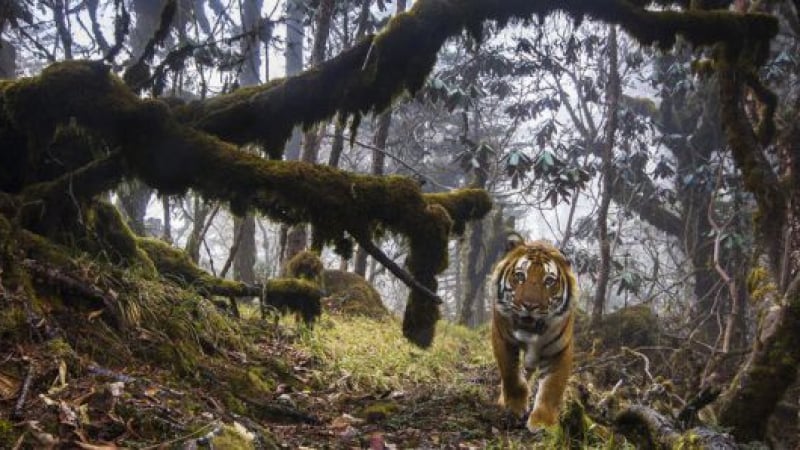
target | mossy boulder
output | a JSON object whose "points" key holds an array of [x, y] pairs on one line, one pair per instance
{"points": [[350, 294], [634, 326]]}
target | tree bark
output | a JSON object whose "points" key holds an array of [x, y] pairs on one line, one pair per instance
{"points": [[612, 105], [134, 199], [245, 260], [203, 215], [8, 60], [293, 53], [772, 365]]}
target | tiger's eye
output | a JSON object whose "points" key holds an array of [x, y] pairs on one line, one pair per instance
{"points": [[519, 277], [549, 281]]}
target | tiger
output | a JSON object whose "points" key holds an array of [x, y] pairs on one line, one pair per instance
{"points": [[533, 313]]}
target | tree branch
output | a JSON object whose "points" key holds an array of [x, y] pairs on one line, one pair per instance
{"points": [[396, 270], [367, 77]]}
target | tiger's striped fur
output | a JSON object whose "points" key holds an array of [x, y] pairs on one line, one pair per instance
{"points": [[533, 315]]}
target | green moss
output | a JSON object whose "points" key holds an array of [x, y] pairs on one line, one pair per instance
{"points": [[42, 249], [298, 296], [251, 382], [176, 265], [233, 404], [172, 157], [378, 411], [305, 265], [634, 326], [689, 441], [114, 238], [462, 205], [13, 326], [59, 348], [350, 294], [759, 284], [8, 434]]}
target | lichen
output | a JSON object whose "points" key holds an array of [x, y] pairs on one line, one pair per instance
{"points": [[759, 284], [232, 438]]}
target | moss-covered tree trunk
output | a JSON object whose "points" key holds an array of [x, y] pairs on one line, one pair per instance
{"points": [[773, 362]]}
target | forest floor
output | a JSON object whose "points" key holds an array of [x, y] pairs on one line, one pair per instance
{"points": [[350, 382]]}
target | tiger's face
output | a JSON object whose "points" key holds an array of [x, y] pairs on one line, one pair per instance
{"points": [[533, 286]]}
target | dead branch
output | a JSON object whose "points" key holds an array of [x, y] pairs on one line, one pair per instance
{"points": [[23, 393], [233, 251], [644, 358], [645, 427], [396, 270]]}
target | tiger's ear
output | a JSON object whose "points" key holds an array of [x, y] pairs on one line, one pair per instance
{"points": [[513, 240]]}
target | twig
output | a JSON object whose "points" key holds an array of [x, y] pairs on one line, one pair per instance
{"points": [[23, 393], [166, 444], [396, 270], [730, 283], [644, 357], [403, 163], [234, 249]]}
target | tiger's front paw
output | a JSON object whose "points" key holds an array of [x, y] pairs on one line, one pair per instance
{"points": [[541, 418], [514, 399]]}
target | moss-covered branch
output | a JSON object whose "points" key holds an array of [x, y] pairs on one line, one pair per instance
{"points": [[758, 175], [370, 75], [173, 158]]}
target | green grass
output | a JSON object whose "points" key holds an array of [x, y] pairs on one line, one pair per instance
{"points": [[368, 354]]}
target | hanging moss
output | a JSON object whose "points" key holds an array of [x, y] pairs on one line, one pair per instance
{"points": [[462, 205], [293, 296], [305, 265]]}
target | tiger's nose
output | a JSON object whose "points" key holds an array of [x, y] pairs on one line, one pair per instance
{"points": [[529, 310]]}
